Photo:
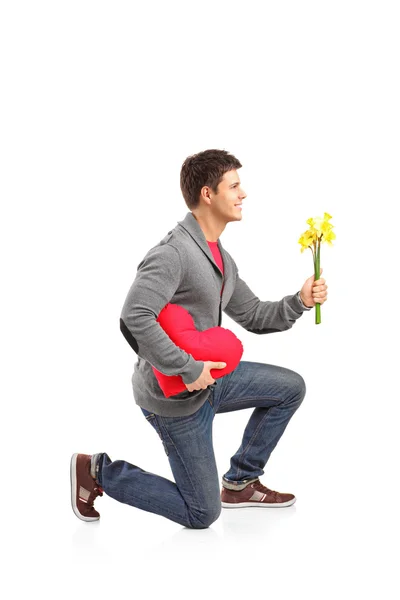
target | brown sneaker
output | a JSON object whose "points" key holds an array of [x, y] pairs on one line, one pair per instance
{"points": [[255, 494], [84, 489]]}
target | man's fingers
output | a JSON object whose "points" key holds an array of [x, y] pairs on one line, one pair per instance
{"points": [[320, 284]]}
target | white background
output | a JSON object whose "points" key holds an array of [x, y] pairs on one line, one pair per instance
{"points": [[100, 104]]}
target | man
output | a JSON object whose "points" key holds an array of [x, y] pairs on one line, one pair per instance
{"points": [[189, 267]]}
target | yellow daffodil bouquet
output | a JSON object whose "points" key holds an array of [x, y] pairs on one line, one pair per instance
{"points": [[320, 231]]}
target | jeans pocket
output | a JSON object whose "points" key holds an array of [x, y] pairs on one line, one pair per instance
{"points": [[211, 395], [152, 419]]}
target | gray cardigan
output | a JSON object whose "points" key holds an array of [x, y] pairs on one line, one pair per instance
{"points": [[181, 269]]}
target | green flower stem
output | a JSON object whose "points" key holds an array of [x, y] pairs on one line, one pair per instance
{"points": [[317, 262]]}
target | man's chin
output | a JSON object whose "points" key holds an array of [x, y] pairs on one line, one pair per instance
{"points": [[232, 218]]}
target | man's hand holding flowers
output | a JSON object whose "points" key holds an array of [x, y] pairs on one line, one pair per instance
{"points": [[314, 291]]}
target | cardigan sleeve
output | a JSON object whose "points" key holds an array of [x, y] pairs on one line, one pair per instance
{"points": [[262, 316], [157, 279]]}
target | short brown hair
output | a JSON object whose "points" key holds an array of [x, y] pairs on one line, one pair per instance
{"points": [[205, 168]]}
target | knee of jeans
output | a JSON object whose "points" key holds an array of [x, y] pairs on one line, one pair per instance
{"points": [[203, 519], [299, 388]]}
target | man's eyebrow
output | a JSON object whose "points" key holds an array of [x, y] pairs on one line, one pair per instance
{"points": [[235, 183]]}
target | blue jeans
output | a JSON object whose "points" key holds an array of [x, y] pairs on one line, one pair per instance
{"points": [[193, 500]]}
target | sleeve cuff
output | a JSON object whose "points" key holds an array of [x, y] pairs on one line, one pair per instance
{"points": [[192, 371], [303, 306]]}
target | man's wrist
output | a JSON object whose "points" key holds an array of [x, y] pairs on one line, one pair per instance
{"points": [[302, 303]]}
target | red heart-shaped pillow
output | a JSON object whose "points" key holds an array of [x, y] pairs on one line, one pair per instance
{"points": [[216, 344]]}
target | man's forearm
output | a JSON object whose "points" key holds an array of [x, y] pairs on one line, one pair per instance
{"points": [[259, 316]]}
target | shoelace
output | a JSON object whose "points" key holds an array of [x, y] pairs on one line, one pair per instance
{"points": [[97, 491], [262, 488]]}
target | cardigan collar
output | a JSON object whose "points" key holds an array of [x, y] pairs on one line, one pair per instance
{"points": [[193, 228]]}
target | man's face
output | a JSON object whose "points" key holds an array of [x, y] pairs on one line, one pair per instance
{"points": [[229, 195]]}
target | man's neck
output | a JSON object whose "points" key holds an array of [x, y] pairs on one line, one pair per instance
{"points": [[211, 229]]}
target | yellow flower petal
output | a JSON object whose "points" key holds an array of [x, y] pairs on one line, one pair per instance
{"points": [[306, 239], [320, 230], [328, 237]]}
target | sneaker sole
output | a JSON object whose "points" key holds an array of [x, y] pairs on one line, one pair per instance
{"points": [[73, 491], [258, 504]]}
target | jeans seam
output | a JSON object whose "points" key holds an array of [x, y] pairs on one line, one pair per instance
{"points": [[186, 470], [259, 398], [125, 496], [252, 398], [249, 443], [157, 428]]}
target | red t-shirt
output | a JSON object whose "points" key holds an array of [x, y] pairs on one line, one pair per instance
{"points": [[217, 257]]}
